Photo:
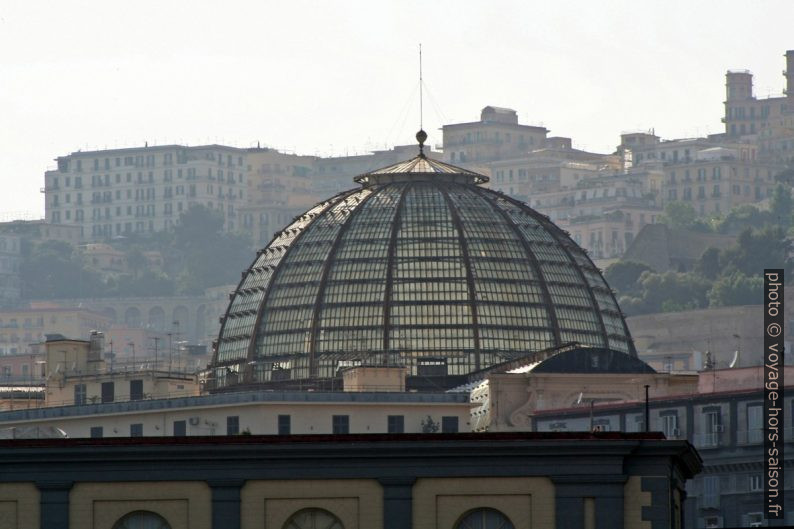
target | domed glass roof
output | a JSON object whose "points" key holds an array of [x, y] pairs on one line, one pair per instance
{"points": [[420, 267]]}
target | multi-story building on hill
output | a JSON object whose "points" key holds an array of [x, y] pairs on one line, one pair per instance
{"points": [[280, 186], [648, 148], [718, 179], [713, 174], [115, 192], [10, 259], [335, 174], [19, 328], [604, 213], [497, 136], [768, 121]]}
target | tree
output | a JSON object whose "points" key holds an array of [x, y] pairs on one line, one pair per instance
{"points": [[756, 250], [679, 215], [136, 260], [736, 289], [682, 216], [708, 265], [780, 205], [624, 276], [743, 217], [53, 269], [208, 257], [668, 292]]}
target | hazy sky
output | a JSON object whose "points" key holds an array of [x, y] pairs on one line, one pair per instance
{"points": [[341, 77]]}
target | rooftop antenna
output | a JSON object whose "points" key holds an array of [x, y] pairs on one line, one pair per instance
{"points": [[421, 136], [421, 100]]}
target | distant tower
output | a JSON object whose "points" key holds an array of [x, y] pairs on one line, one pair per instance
{"points": [[789, 73], [739, 85], [739, 89]]}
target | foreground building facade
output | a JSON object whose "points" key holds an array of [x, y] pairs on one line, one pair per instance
{"points": [[723, 420], [488, 481]]}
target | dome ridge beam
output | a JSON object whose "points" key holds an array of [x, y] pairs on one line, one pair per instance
{"points": [[329, 260], [552, 229], [544, 290], [248, 374], [464, 248], [390, 265]]}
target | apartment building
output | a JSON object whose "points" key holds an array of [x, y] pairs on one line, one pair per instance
{"points": [[646, 148], [10, 259], [279, 187], [19, 328], [768, 121], [717, 180], [496, 136], [335, 174], [117, 192]]}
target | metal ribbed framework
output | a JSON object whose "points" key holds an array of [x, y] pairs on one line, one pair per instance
{"points": [[415, 266]]}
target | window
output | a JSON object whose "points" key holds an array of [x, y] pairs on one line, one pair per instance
{"points": [[136, 389], [313, 519], [79, 394], [142, 520], [232, 425], [669, 424], [755, 432], [340, 424], [284, 425], [755, 482], [136, 430], [602, 425], [107, 392], [180, 428], [396, 424], [484, 519], [96, 432], [712, 427], [711, 492], [449, 425]]}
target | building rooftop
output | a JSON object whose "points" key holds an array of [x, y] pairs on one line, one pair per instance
{"points": [[233, 399]]}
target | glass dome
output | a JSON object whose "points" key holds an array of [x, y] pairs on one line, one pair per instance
{"points": [[422, 267]]}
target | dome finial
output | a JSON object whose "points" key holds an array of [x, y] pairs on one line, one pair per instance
{"points": [[421, 137]]}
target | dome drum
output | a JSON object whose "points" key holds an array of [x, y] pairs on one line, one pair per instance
{"points": [[419, 267]]}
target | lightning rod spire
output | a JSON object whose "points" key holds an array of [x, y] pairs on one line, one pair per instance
{"points": [[421, 136]]}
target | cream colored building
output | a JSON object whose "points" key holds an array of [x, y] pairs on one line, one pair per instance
{"points": [[508, 398], [10, 261], [279, 187], [115, 192], [713, 186], [497, 136], [78, 375], [19, 328]]}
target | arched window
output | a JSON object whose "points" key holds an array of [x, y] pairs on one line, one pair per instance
{"points": [[484, 519], [142, 520], [313, 519]]}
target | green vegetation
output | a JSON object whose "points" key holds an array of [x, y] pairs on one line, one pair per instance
{"points": [[732, 276], [195, 256]]}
